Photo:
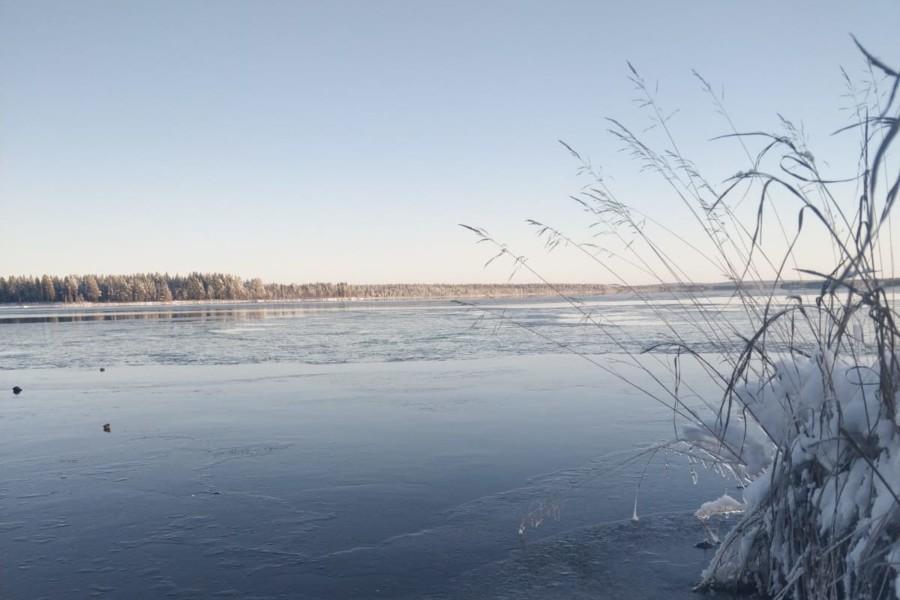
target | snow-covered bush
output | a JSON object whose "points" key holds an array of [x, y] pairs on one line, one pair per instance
{"points": [[821, 519], [819, 441]]}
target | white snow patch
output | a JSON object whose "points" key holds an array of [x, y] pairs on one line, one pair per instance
{"points": [[724, 505]]}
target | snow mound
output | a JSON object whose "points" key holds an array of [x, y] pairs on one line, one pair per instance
{"points": [[724, 505], [820, 444]]}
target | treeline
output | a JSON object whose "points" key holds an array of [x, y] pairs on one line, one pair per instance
{"points": [[157, 287]]}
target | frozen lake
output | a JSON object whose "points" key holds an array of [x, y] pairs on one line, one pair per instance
{"points": [[335, 451]]}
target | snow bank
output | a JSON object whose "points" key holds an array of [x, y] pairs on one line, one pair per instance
{"points": [[821, 512]]}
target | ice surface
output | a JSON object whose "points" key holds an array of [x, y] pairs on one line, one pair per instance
{"points": [[391, 480]]}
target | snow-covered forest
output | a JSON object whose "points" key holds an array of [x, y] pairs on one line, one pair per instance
{"points": [[156, 287]]}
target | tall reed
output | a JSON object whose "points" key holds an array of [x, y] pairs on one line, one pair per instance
{"points": [[806, 412]]}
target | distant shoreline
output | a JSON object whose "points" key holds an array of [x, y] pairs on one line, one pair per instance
{"points": [[460, 292]]}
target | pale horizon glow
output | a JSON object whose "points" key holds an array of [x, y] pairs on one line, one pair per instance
{"points": [[345, 141]]}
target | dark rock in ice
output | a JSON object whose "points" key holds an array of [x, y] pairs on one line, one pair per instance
{"points": [[107, 428], [705, 545], [102, 370], [17, 390]]}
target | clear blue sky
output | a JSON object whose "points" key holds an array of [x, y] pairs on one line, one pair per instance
{"points": [[338, 140]]}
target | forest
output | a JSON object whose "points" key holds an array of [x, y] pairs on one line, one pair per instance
{"points": [[157, 287]]}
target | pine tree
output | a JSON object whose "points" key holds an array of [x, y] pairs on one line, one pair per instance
{"points": [[48, 290], [91, 290]]}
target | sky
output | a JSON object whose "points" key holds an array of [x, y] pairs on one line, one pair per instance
{"points": [[345, 141]]}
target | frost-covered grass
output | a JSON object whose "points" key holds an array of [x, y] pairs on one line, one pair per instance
{"points": [[806, 417]]}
